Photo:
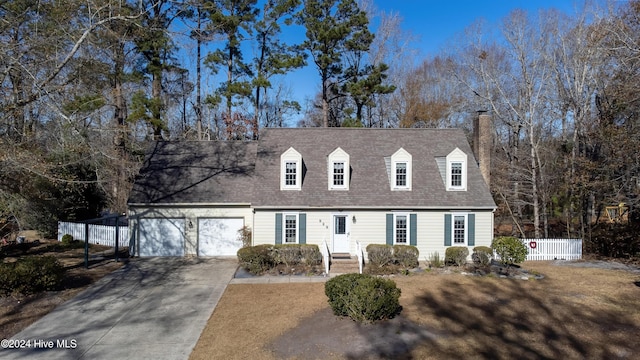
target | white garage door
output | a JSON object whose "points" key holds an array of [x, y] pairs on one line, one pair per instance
{"points": [[161, 237], [219, 237]]}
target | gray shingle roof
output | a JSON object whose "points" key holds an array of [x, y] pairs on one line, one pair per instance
{"points": [[369, 186], [209, 172], [196, 172]]}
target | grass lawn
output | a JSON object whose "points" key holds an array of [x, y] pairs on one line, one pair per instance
{"points": [[573, 313]]}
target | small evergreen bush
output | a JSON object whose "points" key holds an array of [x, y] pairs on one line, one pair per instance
{"points": [[256, 259], [67, 239], [482, 255], [30, 275], [406, 256], [362, 297], [380, 255], [456, 255], [509, 249]]}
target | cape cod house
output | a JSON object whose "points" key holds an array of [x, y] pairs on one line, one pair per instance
{"points": [[335, 187]]}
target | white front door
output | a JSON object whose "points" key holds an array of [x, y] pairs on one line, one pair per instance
{"points": [[341, 233]]}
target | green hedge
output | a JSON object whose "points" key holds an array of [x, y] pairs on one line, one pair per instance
{"points": [[482, 255], [30, 275], [261, 258], [381, 255], [256, 259], [362, 297], [456, 255], [406, 256]]}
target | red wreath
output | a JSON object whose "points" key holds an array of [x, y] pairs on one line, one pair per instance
{"points": [[532, 244]]}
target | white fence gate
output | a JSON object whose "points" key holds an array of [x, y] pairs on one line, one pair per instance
{"points": [[98, 234], [553, 249]]}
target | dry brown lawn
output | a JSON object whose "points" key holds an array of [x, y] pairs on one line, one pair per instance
{"points": [[573, 313]]}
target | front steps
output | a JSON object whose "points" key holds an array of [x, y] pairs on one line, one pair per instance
{"points": [[343, 263]]}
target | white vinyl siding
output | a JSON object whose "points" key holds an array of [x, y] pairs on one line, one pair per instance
{"points": [[370, 228]]}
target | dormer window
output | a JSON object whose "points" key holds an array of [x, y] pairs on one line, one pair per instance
{"points": [[291, 170], [338, 174], [456, 172], [401, 174], [401, 170], [291, 173], [338, 169]]}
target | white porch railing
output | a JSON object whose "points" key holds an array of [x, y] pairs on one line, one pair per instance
{"points": [[552, 249], [360, 255], [98, 234], [324, 249]]}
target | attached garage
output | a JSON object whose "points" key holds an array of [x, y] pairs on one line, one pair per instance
{"points": [[219, 236], [161, 237]]}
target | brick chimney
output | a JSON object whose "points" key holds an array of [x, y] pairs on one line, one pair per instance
{"points": [[482, 144]]}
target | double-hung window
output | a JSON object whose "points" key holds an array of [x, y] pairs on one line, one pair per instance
{"points": [[401, 225], [291, 174], [459, 230], [456, 174], [338, 174], [401, 174], [290, 229]]}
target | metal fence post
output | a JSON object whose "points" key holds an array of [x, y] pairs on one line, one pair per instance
{"points": [[86, 245], [117, 236]]}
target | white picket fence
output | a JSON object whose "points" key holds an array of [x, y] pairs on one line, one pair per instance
{"points": [[552, 249], [98, 234]]}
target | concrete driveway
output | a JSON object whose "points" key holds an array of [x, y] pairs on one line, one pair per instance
{"points": [[153, 308]]}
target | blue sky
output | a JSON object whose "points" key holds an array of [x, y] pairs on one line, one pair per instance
{"points": [[433, 23]]}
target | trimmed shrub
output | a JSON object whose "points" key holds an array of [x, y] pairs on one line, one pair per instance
{"points": [[30, 275], [406, 256], [509, 249], [434, 260], [482, 255], [311, 254], [287, 254], [256, 259], [67, 239], [380, 255], [456, 255], [362, 297]]}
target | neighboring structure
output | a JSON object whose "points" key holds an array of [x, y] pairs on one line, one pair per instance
{"points": [[419, 187]]}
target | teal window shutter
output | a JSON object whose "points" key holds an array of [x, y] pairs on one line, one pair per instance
{"points": [[447, 229], [302, 227], [389, 229], [413, 228], [278, 228], [471, 234]]}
